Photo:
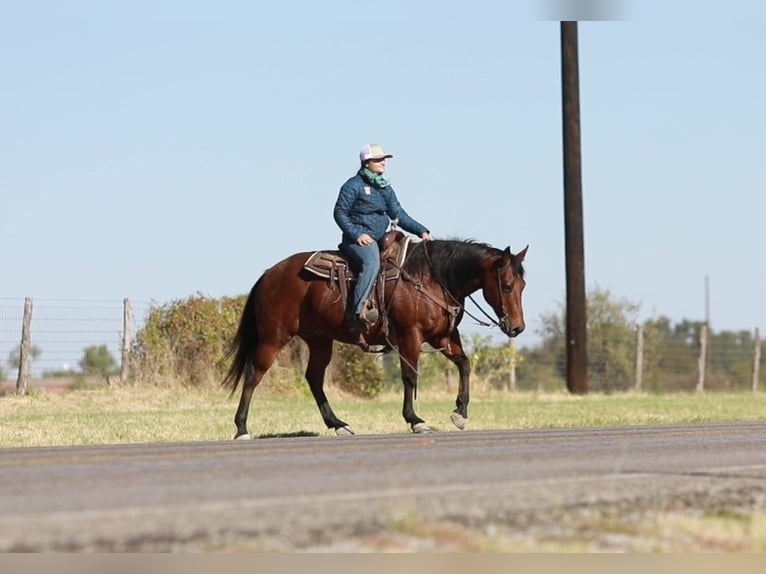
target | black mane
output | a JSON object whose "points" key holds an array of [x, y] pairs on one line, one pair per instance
{"points": [[453, 263]]}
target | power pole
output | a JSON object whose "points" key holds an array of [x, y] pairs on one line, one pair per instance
{"points": [[577, 349]]}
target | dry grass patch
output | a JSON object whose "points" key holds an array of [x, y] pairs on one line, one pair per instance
{"points": [[133, 414]]}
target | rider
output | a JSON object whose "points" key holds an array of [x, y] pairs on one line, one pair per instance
{"points": [[365, 206]]}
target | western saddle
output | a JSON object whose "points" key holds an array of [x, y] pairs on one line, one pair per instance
{"points": [[333, 266]]}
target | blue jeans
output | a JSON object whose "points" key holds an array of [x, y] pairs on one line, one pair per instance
{"points": [[365, 260]]}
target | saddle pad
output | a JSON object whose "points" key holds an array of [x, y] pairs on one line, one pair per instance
{"points": [[324, 264]]}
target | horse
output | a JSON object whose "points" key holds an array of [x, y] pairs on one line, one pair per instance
{"points": [[424, 304]]}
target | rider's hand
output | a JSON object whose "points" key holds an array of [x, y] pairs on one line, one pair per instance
{"points": [[426, 236], [364, 239]]}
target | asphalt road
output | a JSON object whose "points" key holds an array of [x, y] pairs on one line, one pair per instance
{"points": [[303, 492]]}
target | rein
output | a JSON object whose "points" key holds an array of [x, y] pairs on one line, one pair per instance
{"points": [[452, 311], [502, 306], [493, 322], [458, 306]]}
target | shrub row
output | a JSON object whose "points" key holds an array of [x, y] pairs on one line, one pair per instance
{"points": [[185, 341]]}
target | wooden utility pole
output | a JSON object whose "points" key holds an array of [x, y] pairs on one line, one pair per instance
{"points": [[577, 350]]}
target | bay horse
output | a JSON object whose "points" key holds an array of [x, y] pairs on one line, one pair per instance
{"points": [[424, 305]]}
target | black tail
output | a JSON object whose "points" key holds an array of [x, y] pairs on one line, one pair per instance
{"points": [[245, 341]]}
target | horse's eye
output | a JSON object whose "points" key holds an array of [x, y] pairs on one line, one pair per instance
{"points": [[507, 287]]}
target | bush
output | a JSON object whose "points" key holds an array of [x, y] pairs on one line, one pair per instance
{"points": [[97, 360], [186, 340], [356, 372]]}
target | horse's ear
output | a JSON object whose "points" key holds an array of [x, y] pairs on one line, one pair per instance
{"points": [[521, 254], [505, 259]]}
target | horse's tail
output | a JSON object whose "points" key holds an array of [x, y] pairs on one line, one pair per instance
{"points": [[245, 341]]}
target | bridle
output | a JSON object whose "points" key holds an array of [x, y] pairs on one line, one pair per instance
{"points": [[453, 311], [493, 322], [459, 307]]}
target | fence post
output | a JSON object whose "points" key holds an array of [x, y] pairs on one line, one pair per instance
{"points": [[639, 357], [512, 362], [449, 379], [24, 349], [702, 359], [127, 332], [756, 359]]}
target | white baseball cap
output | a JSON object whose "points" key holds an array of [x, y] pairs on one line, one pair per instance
{"points": [[372, 151]]}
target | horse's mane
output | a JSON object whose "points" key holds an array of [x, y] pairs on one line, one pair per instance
{"points": [[452, 262]]}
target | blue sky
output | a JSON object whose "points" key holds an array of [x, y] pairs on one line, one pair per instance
{"points": [[153, 150]]}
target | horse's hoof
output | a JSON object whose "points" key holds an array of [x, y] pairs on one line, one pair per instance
{"points": [[242, 437], [344, 431], [458, 420], [421, 428]]}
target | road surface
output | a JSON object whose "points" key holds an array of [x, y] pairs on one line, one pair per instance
{"points": [[294, 493]]}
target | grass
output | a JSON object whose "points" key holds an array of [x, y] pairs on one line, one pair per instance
{"points": [[133, 414], [592, 530]]}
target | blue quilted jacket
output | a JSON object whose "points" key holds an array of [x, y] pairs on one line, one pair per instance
{"points": [[364, 208]]}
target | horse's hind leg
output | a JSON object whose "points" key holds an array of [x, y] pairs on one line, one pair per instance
{"points": [[320, 353], [260, 362]]}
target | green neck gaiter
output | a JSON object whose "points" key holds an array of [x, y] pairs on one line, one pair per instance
{"points": [[373, 178]]}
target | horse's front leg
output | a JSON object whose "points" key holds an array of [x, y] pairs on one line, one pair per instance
{"points": [[409, 352], [452, 348]]}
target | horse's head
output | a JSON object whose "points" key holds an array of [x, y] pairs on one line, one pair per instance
{"points": [[502, 285]]}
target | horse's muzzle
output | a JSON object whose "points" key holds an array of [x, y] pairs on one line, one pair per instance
{"points": [[514, 331], [511, 330]]}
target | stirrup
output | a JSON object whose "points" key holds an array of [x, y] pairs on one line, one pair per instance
{"points": [[356, 324], [370, 315]]}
